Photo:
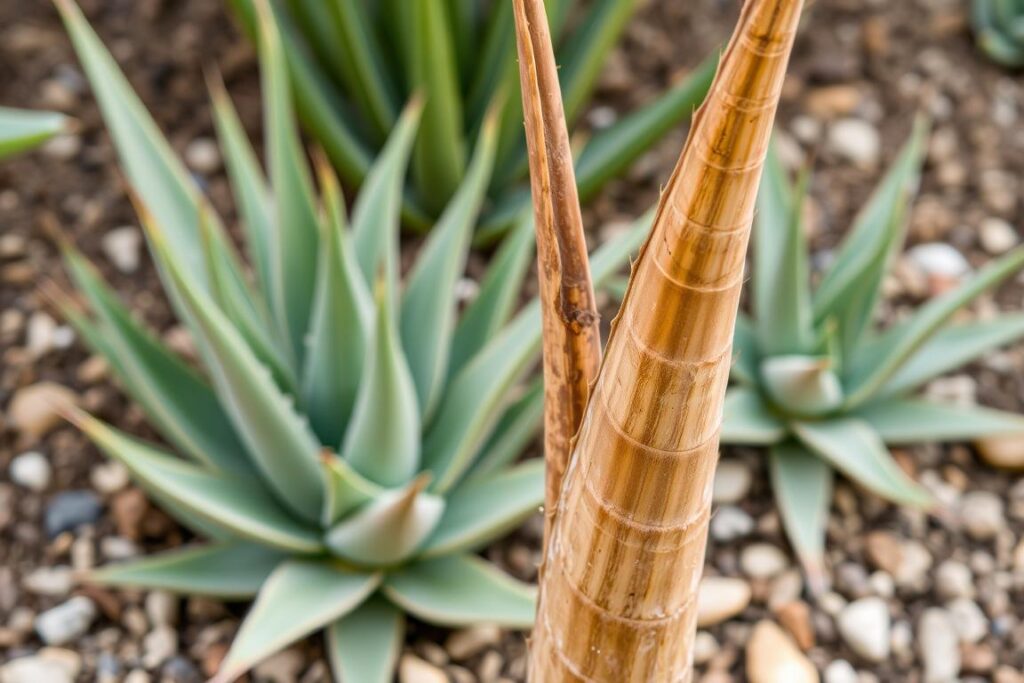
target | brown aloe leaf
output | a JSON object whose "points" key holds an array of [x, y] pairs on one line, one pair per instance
{"points": [[572, 339], [627, 548]]}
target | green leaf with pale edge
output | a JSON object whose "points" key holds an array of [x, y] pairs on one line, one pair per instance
{"points": [[878, 361], [499, 291], [300, 597], [746, 355], [346, 488], [802, 484], [389, 529], [952, 348], [364, 645], [484, 509], [180, 403], [236, 503], [851, 446], [519, 425], [782, 296], [746, 419], [249, 186], [21, 129], [277, 438], [341, 325], [459, 591], [428, 305], [231, 571], [906, 421], [377, 210], [871, 237], [383, 439], [295, 237], [439, 161]]}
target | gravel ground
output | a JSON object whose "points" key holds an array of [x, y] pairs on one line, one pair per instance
{"points": [[914, 597]]}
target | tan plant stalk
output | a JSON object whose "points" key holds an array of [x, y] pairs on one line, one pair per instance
{"points": [[572, 338], [618, 594]]}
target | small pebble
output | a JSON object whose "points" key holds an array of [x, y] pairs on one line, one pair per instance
{"points": [[855, 140], [730, 523], [70, 509], [939, 647], [705, 647], [35, 669], [997, 236], [203, 156], [32, 471], [34, 410], [283, 667], [732, 482], [981, 513], [466, 643], [864, 625], [840, 671], [158, 646], [122, 247], [50, 581], [721, 598], [971, 623], [66, 622], [772, 657], [954, 580], [412, 669], [763, 561], [1005, 452]]}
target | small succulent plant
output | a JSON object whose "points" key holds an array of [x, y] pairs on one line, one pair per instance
{"points": [[347, 443], [22, 129], [999, 27], [354, 62], [821, 386]]}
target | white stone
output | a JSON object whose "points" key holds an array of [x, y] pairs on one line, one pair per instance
{"points": [[954, 580], [468, 642], [939, 259], [981, 513], [705, 647], [840, 671], [67, 621], [865, 626], [412, 669], [203, 156], [732, 482], [162, 608], [32, 471], [720, 598], [158, 646], [730, 523], [939, 647], [997, 236], [283, 667], [35, 669], [763, 561], [856, 140], [122, 247], [773, 657], [109, 477], [971, 623], [39, 333], [50, 581]]}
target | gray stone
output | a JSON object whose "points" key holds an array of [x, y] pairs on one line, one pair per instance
{"points": [[71, 509], [732, 482], [982, 515], [954, 580], [66, 622], [971, 623], [50, 581], [939, 647], [730, 523], [865, 626]]}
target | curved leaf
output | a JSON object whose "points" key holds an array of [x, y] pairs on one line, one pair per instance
{"points": [[746, 355], [224, 570], [346, 488], [905, 421], [459, 591], [484, 509], [851, 446], [298, 598], [802, 484], [235, 503], [22, 129], [519, 425], [364, 645], [746, 419]]}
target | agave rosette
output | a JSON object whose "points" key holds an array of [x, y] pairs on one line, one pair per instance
{"points": [[817, 383], [355, 62], [349, 440], [999, 27]]}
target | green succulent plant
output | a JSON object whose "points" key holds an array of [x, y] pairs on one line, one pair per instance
{"points": [[821, 386], [999, 28], [348, 441], [354, 62], [22, 129]]}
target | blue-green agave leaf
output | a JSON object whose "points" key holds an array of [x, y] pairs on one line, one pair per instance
{"points": [[230, 571], [746, 419], [346, 488], [851, 446], [22, 129], [364, 645], [952, 348], [341, 325], [906, 421], [236, 503], [459, 591], [519, 425], [383, 439], [485, 508], [428, 305], [746, 355], [802, 484], [389, 528], [300, 597]]}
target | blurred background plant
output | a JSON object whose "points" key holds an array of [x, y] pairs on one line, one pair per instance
{"points": [[22, 129], [999, 27], [820, 386], [349, 443], [354, 62]]}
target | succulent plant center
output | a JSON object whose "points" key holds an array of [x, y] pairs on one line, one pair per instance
{"points": [[801, 386]]}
